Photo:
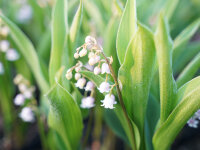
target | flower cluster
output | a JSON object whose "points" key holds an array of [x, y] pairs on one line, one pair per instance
{"points": [[97, 65], [193, 122], [10, 53], [25, 94]]}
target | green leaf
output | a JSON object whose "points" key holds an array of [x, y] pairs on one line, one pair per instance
{"points": [[189, 97], [135, 75], [76, 25], [127, 28], [59, 29], [65, 116], [189, 71], [182, 39], [163, 44], [27, 50], [170, 7]]}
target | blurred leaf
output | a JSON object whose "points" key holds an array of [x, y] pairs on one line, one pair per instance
{"points": [[189, 71], [127, 28], [136, 74], [59, 29], [65, 116], [163, 44], [76, 25], [170, 7], [189, 104], [29, 53]]}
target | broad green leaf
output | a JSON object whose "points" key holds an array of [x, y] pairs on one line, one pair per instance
{"points": [[118, 112], [189, 71], [127, 28], [59, 29], [189, 97], [27, 50], [65, 116], [190, 51], [182, 39], [76, 25], [170, 7], [136, 74], [163, 44]]}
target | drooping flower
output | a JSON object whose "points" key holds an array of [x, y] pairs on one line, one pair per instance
{"points": [[90, 42], [4, 45], [76, 55], [109, 101], [91, 54], [77, 76], [27, 115], [104, 87], [83, 52], [105, 68], [97, 70], [87, 102], [19, 99], [68, 74], [93, 60], [24, 14], [22, 87], [80, 83], [27, 94], [89, 86], [192, 123], [197, 114], [12, 55], [1, 68], [4, 31]]}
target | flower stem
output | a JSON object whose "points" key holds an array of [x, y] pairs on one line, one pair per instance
{"points": [[121, 102]]}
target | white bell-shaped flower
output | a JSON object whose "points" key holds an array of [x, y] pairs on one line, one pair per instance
{"points": [[93, 60], [97, 70], [197, 114], [28, 94], [24, 14], [91, 54], [12, 55], [80, 83], [22, 87], [109, 101], [1, 68], [27, 115], [4, 31], [19, 99], [193, 123], [88, 67], [76, 55], [77, 76], [68, 74], [105, 68], [4, 45], [87, 102], [104, 87], [83, 52], [89, 86]]}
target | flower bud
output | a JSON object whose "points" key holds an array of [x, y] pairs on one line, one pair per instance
{"points": [[27, 94], [87, 102], [104, 87], [90, 40], [83, 52], [91, 54], [19, 99], [4, 31], [77, 76], [80, 83], [27, 115], [68, 74], [4, 45], [97, 70], [77, 69], [193, 122], [76, 55], [92, 61], [12, 55], [22, 87], [105, 68], [89, 86]]}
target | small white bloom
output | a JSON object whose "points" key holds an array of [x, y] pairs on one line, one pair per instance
{"points": [[68, 74], [90, 40], [12, 55], [87, 102], [105, 68], [27, 115], [1, 68], [80, 83], [88, 67], [97, 70], [27, 94], [197, 114], [193, 123], [19, 99], [93, 60], [4, 31], [109, 101], [83, 52], [77, 76], [104, 87], [97, 58], [4, 45], [18, 79], [89, 86], [77, 69], [22, 87], [24, 14], [91, 54], [76, 55]]}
